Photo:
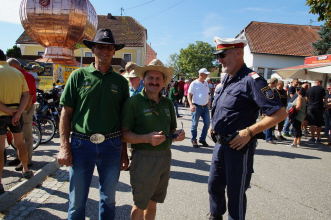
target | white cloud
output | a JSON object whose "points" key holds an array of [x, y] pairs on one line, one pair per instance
{"points": [[210, 32], [9, 11], [165, 40], [211, 18]]}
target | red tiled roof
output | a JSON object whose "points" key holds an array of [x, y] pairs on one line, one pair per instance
{"points": [[125, 30], [150, 54], [281, 39]]}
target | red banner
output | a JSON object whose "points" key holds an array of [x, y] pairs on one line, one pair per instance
{"points": [[318, 59]]}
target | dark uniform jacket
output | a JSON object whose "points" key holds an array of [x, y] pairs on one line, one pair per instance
{"points": [[236, 105]]}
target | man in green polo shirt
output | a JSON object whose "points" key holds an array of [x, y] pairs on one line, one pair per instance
{"points": [[92, 101], [149, 124]]}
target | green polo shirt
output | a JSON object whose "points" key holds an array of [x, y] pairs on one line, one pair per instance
{"points": [[142, 116], [97, 100]]}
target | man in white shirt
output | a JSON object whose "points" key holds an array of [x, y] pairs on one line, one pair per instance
{"points": [[198, 98]]}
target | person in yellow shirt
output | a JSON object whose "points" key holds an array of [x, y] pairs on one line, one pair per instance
{"points": [[14, 96]]}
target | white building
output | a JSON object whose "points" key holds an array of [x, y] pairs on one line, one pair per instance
{"points": [[273, 46]]}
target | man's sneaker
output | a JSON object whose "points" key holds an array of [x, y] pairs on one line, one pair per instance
{"points": [[312, 140], [195, 144], [281, 138], [204, 143], [2, 190], [293, 145], [318, 141], [271, 142], [19, 167], [27, 174], [211, 217]]}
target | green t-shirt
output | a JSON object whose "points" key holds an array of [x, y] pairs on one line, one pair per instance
{"points": [[172, 95], [97, 100], [142, 116]]}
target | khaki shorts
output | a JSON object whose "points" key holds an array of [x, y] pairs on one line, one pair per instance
{"points": [[149, 176]]}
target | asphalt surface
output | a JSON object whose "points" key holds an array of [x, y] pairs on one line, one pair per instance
{"points": [[288, 183]]}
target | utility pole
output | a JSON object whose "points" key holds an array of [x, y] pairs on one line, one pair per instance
{"points": [[122, 10]]}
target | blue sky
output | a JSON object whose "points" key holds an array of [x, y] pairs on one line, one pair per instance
{"points": [[173, 24]]}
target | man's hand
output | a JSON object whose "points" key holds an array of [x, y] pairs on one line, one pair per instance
{"points": [[240, 140], [64, 157], [124, 157], [11, 111], [192, 108], [16, 118], [124, 161], [156, 138], [181, 135]]}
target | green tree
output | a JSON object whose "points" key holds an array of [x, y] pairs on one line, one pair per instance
{"points": [[323, 46], [195, 57], [173, 62], [14, 52], [322, 8]]}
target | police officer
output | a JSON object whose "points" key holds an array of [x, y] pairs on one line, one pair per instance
{"points": [[234, 113]]}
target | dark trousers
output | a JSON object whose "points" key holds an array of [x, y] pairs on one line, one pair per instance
{"points": [[297, 132], [230, 169]]}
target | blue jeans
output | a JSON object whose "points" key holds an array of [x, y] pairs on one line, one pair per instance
{"points": [[287, 125], [85, 155], [268, 134], [176, 107], [202, 111]]}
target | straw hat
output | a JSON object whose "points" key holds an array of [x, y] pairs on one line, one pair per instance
{"points": [[131, 74], [155, 65]]}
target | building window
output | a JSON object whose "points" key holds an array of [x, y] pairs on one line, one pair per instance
{"points": [[40, 53], [127, 57], [260, 70], [88, 54]]}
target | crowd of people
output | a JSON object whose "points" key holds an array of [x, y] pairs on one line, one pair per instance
{"points": [[310, 105], [105, 112]]}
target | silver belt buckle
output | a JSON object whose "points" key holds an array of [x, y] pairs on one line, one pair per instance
{"points": [[97, 138]]}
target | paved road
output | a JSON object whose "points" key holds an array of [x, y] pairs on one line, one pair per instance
{"points": [[289, 183]]}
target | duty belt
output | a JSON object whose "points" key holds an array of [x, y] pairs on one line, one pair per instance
{"points": [[97, 138], [223, 139]]}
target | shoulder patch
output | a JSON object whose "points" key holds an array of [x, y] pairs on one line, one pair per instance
{"points": [[268, 92], [254, 75]]}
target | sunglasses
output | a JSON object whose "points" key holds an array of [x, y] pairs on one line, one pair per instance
{"points": [[220, 56], [173, 136]]}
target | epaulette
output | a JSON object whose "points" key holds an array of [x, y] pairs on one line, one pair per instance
{"points": [[254, 75]]}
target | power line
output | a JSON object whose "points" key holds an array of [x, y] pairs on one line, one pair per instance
{"points": [[142, 4], [165, 10]]}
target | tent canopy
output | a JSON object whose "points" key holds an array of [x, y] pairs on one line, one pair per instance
{"points": [[317, 71]]}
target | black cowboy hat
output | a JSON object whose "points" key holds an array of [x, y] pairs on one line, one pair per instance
{"points": [[103, 36]]}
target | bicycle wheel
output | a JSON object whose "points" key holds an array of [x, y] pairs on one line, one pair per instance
{"points": [[36, 134], [47, 128]]}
